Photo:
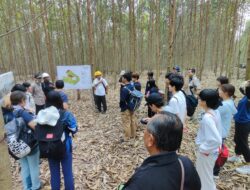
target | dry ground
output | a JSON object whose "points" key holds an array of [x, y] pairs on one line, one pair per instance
{"points": [[101, 162]]}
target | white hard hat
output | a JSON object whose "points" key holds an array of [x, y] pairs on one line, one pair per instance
{"points": [[44, 75]]}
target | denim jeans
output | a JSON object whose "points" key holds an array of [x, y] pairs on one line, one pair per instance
{"points": [[54, 166], [30, 170]]}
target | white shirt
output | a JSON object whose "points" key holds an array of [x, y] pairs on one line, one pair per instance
{"points": [[100, 86], [177, 105], [209, 137]]}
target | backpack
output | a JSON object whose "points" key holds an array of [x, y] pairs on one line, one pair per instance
{"points": [[135, 99], [20, 138], [191, 103], [52, 139]]}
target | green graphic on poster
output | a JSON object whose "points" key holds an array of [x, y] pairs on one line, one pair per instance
{"points": [[71, 77]]}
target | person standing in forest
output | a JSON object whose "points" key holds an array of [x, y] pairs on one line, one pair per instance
{"points": [[47, 86], [54, 100], [100, 87], [208, 139], [30, 103], [227, 111], [242, 130], [37, 92], [150, 88], [30, 163], [167, 82], [135, 79], [194, 82], [64, 96], [149, 82], [177, 104], [127, 116], [176, 70]]}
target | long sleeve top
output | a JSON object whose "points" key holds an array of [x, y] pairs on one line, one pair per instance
{"points": [[243, 114], [209, 136]]}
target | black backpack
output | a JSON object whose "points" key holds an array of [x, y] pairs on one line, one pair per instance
{"points": [[52, 139], [191, 103]]}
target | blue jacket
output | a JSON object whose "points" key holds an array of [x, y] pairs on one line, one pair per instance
{"points": [[243, 114], [124, 96], [72, 128]]}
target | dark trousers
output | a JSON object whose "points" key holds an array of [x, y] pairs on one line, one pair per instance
{"points": [[39, 107], [55, 179], [101, 101], [241, 134]]}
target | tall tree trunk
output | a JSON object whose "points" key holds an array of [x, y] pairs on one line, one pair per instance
{"points": [[71, 43], [207, 3], [90, 37], [158, 38], [36, 37], [248, 60], [132, 35], [80, 34], [172, 20], [51, 67]]}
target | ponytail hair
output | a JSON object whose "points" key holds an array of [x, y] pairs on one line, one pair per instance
{"points": [[229, 89]]}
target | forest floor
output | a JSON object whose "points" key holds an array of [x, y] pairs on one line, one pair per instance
{"points": [[101, 162]]}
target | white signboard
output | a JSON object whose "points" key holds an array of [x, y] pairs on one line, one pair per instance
{"points": [[75, 77], [6, 83]]}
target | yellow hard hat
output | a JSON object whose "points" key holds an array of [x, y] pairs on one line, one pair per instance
{"points": [[98, 73]]}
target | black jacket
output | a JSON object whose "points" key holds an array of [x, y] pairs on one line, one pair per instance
{"points": [[163, 172], [47, 87]]}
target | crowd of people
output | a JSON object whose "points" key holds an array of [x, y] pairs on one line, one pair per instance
{"points": [[44, 103], [171, 109]]}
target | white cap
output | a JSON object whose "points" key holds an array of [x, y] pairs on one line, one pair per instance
{"points": [[122, 72], [44, 75]]}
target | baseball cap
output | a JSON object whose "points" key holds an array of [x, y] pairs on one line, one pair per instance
{"points": [[154, 98], [177, 68], [38, 75]]}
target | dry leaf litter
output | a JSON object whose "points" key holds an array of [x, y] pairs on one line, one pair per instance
{"points": [[101, 162]]}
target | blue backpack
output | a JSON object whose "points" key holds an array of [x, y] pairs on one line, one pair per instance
{"points": [[135, 99]]}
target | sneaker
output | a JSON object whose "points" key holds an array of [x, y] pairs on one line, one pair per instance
{"points": [[244, 170], [236, 159]]}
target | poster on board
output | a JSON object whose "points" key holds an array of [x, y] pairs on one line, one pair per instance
{"points": [[6, 84], [75, 77]]}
